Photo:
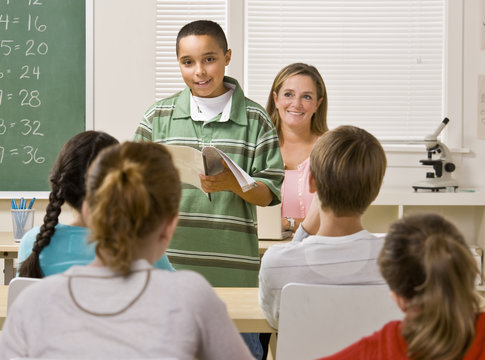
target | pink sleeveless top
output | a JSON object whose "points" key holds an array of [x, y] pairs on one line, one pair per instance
{"points": [[295, 191]]}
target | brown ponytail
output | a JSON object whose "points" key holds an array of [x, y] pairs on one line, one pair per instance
{"points": [[426, 261], [131, 189], [67, 185]]}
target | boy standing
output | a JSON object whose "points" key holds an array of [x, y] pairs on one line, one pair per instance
{"points": [[217, 238], [347, 166]]}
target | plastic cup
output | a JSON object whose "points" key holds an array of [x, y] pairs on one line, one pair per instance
{"points": [[22, 221]]}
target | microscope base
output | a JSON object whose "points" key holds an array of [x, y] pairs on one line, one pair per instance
{"points": [[435, 185]]}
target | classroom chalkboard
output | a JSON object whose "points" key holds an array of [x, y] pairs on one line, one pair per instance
{"points": [[42, 87]]}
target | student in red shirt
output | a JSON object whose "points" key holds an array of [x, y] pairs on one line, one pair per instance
{"points": [[431, 273]]}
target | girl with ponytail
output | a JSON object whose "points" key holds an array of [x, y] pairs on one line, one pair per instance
{"points": [[431, 273], [54, 247], [120, 306]]}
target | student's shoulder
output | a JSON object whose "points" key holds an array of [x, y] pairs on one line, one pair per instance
{"points": [[254, 105], [281, 253], [181, 278], [258, 116], [191, 290], [28, 239], [376, 239], [285, 246], [189, 283], [255, 109], [163, 105], [240, 100], [42, 291]]}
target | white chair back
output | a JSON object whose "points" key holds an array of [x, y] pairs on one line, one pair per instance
{"points": [[320, 320], [16, 286]]}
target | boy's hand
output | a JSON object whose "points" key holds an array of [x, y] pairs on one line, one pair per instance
{"points": [[260, 195], [222, 181]]}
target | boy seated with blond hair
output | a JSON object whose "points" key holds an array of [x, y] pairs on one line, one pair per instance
{"points": [[347, 168]]}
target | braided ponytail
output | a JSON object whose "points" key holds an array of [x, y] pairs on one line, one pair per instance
{"points": [[30, 267], [67, 180]]}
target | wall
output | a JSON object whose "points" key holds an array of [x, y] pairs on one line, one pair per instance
{"points": [[124, 64], [124, 87], [474, 64], [470, 171]]}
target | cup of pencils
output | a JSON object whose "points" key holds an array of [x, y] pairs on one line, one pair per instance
{"points": [[22, 218]]}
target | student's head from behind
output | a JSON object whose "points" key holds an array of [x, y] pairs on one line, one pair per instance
{"points": [[432, 273], [67, 180], [68, 173], [132, 197], [298, 96], [203, 55], [347, 166]]}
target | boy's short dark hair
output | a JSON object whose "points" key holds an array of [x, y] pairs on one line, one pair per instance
{"points": [[203, 27], [348, 165]]}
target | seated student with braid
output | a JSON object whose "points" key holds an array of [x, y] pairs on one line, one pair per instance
{"points": [[431, 273], [54, 247], [120, 306]]}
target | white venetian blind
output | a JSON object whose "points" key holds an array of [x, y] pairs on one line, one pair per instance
{"points": [[382, 60], [171, 16]]}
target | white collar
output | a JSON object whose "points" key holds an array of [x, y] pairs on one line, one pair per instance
{"points": [[196, 114]]}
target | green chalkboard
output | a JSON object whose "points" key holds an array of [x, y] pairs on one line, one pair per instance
{"points": [[42, 87]]}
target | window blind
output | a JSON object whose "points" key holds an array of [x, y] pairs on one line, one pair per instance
{"points": [[382, 61], [170, 17]]}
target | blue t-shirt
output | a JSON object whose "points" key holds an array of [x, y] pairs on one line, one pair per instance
{"points": [[68, 247]]}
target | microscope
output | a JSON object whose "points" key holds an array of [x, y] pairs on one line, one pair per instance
{"points": [[439, 157]]}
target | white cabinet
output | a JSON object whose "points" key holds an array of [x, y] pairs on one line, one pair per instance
{"points": [[465, 209]]}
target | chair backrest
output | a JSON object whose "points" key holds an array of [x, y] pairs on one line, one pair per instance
{"points": [[16, 286], [319, 320]]}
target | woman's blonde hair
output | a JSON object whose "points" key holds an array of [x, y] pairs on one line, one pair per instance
{"points": [[319, 119], [426, 261], [131, 189]]}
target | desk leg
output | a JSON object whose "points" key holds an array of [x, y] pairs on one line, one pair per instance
{"points": [[272, 345], [8, 270]]}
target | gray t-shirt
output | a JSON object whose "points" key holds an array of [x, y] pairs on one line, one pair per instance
{"points": [[89, 312]]}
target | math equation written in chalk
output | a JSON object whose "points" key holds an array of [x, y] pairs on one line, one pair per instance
{"points": [[30, 70]]}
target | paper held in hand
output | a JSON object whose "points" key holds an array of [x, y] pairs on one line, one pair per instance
{"points": [[190, 163]]}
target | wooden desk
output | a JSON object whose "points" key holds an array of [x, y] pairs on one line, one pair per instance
{"points": [[244, 310], [242, 306], [8, 251]]}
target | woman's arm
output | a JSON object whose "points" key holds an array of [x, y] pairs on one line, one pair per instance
{"points": [[311, 223]]}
